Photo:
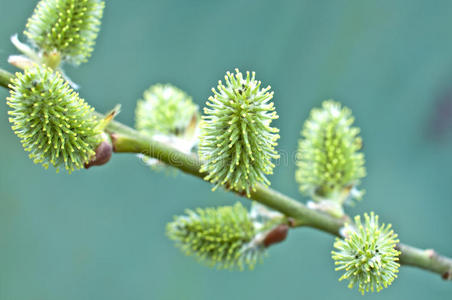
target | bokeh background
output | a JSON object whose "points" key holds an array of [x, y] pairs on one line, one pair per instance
{"points": [[100, 234]]}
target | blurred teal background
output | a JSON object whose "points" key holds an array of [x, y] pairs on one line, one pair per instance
{"points": [[100, 234]]}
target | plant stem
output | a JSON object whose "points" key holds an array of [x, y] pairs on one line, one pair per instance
{"points": [[426, 259], [128, 140], [5, 78]]}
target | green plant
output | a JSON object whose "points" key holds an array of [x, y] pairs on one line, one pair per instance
{"points": [[367, 254], [164, 110], [236, 149], [221, 236], [53, 123], [329, 164], [237, 142], [167, 114], [65, 30]]}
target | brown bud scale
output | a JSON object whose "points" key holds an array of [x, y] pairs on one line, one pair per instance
{"points": [[276, 235], [102, 156]]}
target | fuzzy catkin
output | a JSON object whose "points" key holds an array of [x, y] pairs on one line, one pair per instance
{"points": [[66, 27], [54, 124], [237, 143], [164, 109], [220, 236], [328, 158], [367, 254]]}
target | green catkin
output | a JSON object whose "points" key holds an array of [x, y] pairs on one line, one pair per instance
{"points": [[328, 158], [367, 254], [65, 29], [237, 144], [164, 109], [168, 115], [56, 126], [220, 237]]}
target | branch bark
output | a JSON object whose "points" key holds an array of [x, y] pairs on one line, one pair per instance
{"points": [[128, 140]]}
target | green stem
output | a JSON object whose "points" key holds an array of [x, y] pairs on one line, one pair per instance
{"points": [[426, 259], [128, 140], [5, 78]]}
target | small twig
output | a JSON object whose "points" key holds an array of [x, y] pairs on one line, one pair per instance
{"points": [[128, 140]]}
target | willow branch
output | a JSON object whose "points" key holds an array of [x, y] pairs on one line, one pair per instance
{"points": [[5, 77], [128, 140]]}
